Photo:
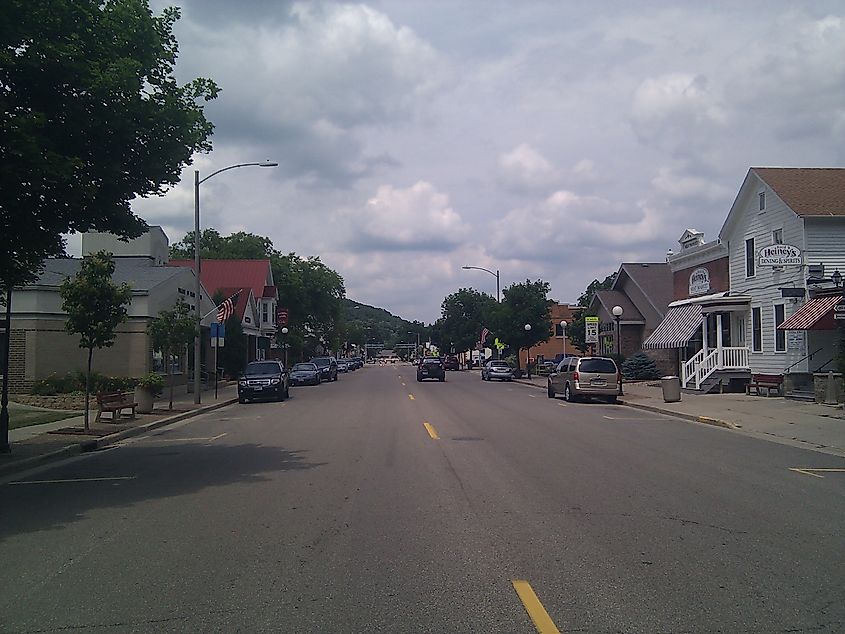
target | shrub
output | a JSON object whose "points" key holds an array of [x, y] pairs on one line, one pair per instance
{"points": [[640, 366], [44, 388], [153, 382]]}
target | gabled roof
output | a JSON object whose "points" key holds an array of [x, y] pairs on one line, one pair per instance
{"points": [[808, 191], [609, 299], [219, 274], [654, 279]]}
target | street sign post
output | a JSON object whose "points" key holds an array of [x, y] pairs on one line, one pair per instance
{"points": [[591, 329]]}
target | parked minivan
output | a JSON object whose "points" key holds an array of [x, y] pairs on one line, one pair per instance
{"points": [[582, 377]]}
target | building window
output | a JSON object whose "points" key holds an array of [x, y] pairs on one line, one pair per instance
{"points": [[749, 258], [777, 236], [558, 330], [780, 335], [762, 196], [740, 329], [264, 312], [756, 329]]}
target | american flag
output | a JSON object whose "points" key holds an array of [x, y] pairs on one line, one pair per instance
{"points": [[227, 308], [484, 333]]}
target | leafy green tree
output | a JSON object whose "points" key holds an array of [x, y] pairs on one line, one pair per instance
{"points": [[91, 117], [237, 246], [170, 332], [95, 306], [463, 314], [575, 331], [524, 303]]}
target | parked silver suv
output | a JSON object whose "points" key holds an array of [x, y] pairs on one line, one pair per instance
{"points": [[582, 377]]}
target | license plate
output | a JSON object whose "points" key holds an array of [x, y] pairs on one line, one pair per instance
{"points": [[258, 388], [598, 382]]}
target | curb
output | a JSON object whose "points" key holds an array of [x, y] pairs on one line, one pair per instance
{"points": [[707, 420], [92, 445]]}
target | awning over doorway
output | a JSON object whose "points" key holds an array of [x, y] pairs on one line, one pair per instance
{"points": [[811, 313], [677, 327]]}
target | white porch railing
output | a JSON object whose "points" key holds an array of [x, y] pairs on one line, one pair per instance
{"points": [[699, 367]]}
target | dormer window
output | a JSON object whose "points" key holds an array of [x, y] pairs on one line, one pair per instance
{"points": [[762, 196]]}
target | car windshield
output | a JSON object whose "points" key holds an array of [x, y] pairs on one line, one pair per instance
{"points": [[321, 362], [431, 361], [499, 364], [304, 367], [262, 368], [602, 366]]}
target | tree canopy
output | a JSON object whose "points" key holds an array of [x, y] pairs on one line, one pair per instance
{"points": [[524, 303], [463, 315], [91, 116], [171, 331]]}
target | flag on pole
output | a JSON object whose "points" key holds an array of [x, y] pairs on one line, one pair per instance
{"points": [[227, 308], [484, 333]]}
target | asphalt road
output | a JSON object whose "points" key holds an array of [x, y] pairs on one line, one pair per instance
{"points": [[380, 504]]}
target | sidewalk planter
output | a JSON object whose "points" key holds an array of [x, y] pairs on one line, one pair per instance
{"points": [[828, 387], [148, 388]]}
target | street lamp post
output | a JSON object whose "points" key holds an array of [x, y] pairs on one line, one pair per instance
{"points": [[498, 299], [417, 349], [4, 398], [198, 305], [563, 330], [528, 355], [617, 315], [284, 332]]}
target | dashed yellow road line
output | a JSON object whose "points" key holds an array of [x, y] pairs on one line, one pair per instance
{"points": [[74, 480], [541, 619], [411, 396], [533, 395], [561, 404], [812, 472], [403, 384], [431, 431]]}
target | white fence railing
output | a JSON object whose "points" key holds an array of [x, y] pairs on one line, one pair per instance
{"points": [[699, 367]]}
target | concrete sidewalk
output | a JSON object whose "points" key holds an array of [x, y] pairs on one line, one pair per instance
{"points": [[36, 444], [799, 423]]}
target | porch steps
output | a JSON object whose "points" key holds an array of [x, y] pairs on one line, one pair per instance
{"points": [[710, 385], [801, 395]]}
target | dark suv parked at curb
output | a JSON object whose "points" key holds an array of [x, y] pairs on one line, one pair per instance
{"points": [[263, 379], [431, 368], [327, 367]]}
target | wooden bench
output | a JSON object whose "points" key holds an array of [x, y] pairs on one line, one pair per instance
{"points": [[115, 403], [768, 382]]}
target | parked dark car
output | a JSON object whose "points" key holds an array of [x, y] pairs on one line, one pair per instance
{"points": [[327, 366], [305, 374], [451, 363], [263, 380], [431, 368]]}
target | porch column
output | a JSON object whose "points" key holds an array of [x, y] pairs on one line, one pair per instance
{"points": [[704, 343], [720, 360]]}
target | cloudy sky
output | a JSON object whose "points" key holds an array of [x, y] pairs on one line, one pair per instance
{"points": [[548, 140]]}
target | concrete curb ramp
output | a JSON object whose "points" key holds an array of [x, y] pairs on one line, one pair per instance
{"points": [[98, 443]]}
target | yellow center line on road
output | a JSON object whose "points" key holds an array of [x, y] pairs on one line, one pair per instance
{"points": [[74, 480], [431, 431], [541, 619], [561, 404], [403, 384], [533, 395], [411, 396], [812, 472]]}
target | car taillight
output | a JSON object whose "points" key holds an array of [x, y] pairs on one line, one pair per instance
{"points": [[618, 377], [575, 376]]}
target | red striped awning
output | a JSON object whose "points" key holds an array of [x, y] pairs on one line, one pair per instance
{"points": [[810, 313]]}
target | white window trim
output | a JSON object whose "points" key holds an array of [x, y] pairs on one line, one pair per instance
{"points": [[751, 330], [761, 198], [753, 256], [775, 329]]}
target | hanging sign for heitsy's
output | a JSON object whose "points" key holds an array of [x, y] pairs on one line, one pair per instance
{"points": [[780, 255]]}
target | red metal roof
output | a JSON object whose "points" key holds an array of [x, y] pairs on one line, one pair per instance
{"points": [[241, 301], [233, 274], [811, 316]]}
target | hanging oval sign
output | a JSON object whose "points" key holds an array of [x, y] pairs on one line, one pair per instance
{"points": [[780, 255], [699, 281]]}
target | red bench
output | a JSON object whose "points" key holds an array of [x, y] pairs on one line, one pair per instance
{"points": [[766, 382]]}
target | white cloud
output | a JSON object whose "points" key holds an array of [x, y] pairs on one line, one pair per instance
{"points": [[416, 218], [525, 167]]}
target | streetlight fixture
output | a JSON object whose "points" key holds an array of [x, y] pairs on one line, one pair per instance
{"points": [[498, 299], [197, 338], [563, 325], [528, 356], [285, 332], [617, 315]]}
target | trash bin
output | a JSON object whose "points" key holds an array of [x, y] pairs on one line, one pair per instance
{"points": [[671, 388]]}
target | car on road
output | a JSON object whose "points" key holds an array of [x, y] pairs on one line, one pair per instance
{"points": [[585, 377], [497, 370], [431, 368], [342, 365], [327, 367], [263, 380], [305, 374], [451, 363]]}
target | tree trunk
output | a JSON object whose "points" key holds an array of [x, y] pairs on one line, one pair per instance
{"points": [[88, 388]]}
